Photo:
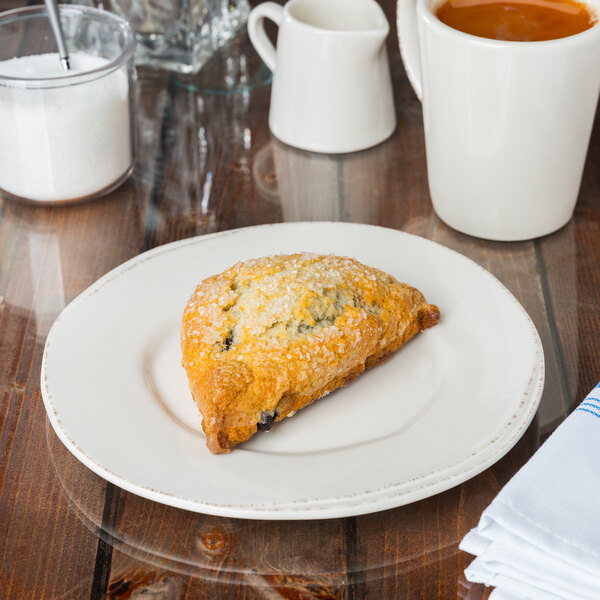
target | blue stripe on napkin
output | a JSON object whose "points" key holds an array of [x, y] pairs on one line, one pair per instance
{"points": [[589, 411], [591, 405]]}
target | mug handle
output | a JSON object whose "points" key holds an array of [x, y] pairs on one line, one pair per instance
{"points": [[256, 30], [408, 38]]}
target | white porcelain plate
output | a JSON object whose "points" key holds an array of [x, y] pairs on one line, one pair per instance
{"points": [[447, 405]]}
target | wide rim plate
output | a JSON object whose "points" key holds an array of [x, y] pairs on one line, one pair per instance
{"points": [[448, 405]]}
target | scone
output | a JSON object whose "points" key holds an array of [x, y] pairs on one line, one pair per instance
{"points": [[271, 335]]}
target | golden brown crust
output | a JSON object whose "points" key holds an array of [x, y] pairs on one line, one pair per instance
{"points": [[271, 335]]}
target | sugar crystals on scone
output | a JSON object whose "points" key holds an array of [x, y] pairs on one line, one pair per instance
{"points": [[268, 336]]}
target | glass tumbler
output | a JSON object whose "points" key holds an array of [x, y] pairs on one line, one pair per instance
{"points": [[65, 136], [181, 35]]}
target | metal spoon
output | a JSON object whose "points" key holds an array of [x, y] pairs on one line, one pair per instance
{"points": [[58, 33]]}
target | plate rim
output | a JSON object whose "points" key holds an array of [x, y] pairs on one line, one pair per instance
{"points": [[358, 503]]}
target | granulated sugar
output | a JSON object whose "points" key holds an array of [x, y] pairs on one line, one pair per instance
{"points": [[66, 142]]}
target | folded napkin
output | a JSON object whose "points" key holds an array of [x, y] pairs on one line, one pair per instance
{"points": [[540, 537]]}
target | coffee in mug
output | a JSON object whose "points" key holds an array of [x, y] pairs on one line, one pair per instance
{"points": [[517, 20]]}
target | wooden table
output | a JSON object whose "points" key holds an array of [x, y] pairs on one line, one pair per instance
{"points": [[207, 162]]}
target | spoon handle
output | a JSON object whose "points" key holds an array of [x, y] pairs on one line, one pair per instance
{"points": [[58, 33]]}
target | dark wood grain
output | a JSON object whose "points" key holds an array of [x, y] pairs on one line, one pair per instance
{"points": [[207, 162]]}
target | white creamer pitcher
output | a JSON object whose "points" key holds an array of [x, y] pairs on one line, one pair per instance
{"points": [[332, 90]]}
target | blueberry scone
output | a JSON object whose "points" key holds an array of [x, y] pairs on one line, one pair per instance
{"points": [[270, 335]]}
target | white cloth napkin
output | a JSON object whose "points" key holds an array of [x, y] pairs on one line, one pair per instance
{"points": [[540, 536]]}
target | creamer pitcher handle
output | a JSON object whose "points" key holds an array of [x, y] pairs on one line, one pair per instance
{"points": [[409, 43], [256, 30]]}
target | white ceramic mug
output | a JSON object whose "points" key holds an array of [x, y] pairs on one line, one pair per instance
{"points": [[507, 124], [331, 90]]}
